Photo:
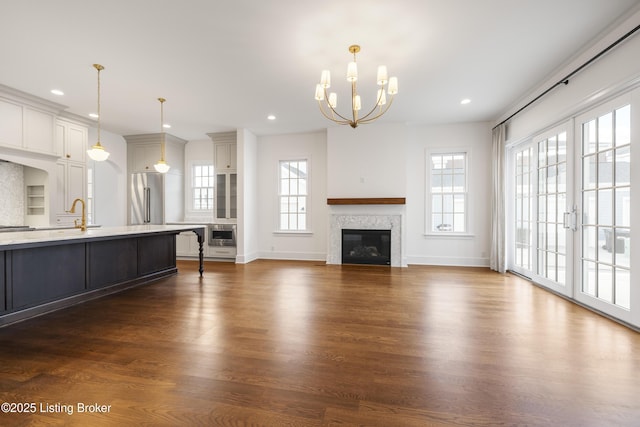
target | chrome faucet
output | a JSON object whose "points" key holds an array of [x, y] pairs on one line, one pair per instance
{"points": [[83, 223]]}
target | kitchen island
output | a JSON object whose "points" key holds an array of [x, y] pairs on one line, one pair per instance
{"points": [[45, 270]]}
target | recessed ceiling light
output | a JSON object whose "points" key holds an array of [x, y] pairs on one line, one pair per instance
{"points": [[57, 92], [93, 115], [465, 101], [271, 117], [166, 126]]}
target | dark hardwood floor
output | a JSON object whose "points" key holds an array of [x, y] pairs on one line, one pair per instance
{"points": [[305, 344]]}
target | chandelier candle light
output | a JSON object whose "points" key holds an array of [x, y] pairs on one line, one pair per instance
{"points": [[328, 102], [97, 152], [162, 165]]}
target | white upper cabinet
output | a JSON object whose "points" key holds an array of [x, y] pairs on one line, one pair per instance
{"points": [[225, 156], [38, 131], [10, 124], [224, 151], [72, 141], [144, 151], [27, 123], [144, 156]]}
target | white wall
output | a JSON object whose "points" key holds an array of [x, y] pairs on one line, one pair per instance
{"points": [[367, 161], [110, 180], [271, 149], [613, 73], [422, 248]]}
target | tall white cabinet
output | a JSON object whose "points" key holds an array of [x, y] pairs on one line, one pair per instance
{"points": [[226, 180], [71, 179]]}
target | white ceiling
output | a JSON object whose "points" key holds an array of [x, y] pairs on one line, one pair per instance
{"points": [[226, 64]]}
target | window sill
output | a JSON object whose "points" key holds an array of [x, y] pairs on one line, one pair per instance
{"points": [[293, 232], [450, 235]]}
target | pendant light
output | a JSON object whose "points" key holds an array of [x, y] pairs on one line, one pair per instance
{"points": [[162, 166], [97, 152]]}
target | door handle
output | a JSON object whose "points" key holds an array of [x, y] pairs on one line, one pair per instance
{"points": [[570, 219]]}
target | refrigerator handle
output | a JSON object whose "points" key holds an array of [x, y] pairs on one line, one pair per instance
{"points": [[147, 205]]}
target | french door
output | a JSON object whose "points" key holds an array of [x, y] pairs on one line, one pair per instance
{"points": [[572, 211], [604, 262], [544, 214]]}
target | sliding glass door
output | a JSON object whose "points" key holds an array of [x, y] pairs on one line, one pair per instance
{"points": [[571, 209], [543, 211], [605, 230]]}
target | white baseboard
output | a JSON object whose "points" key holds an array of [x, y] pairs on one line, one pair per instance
{"points": [[294, 256], [448, 261]]}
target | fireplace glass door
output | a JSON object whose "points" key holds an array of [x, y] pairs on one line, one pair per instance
{"points": [[366, 247]]}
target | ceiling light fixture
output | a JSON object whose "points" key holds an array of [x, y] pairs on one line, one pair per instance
{"points": [[465, 101], [328, 102], [97, 152], [162, 166], [57, 92]]}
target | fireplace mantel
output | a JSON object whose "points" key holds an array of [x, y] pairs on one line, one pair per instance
{"points": [[368, 201]]}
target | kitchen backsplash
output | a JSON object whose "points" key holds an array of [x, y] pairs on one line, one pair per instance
{"points": [[11, 194]]}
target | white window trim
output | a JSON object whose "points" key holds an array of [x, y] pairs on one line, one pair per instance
{"points": [[469, 233], [308, 230], [189, 211]]}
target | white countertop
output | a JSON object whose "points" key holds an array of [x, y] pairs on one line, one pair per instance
{"points": [[66, 234]]}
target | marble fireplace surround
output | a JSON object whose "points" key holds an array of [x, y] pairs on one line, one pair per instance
{"points": [[338, 222]]}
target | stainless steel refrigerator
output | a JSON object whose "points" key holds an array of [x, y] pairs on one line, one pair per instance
{"points": [[147, 205]]}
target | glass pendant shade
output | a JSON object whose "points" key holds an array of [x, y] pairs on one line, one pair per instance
{"points": [[162, 166], [98, 153]]}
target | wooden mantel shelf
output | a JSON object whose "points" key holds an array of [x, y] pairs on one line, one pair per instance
{"points": [[368, 201]]}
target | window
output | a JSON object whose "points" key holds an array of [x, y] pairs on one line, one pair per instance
{"points": [[448, 192], [202, 187], [293, 195]]}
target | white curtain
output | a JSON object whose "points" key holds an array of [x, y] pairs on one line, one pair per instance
{"points": [[498, 257]]}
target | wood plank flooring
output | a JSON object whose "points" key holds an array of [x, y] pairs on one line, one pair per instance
{"points": [[276, 343]]}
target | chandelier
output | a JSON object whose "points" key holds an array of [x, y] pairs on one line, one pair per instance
{"points": [[97, 152], [328, 102], [162, 165]]}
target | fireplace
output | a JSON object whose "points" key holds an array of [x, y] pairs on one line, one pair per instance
{"points": [[366, 246], [389, 222]]}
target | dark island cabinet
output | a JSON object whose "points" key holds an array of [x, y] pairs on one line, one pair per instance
{"points": [[3, 288], [39, 277], [156, 253], [112, 261], [44, 274]]}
